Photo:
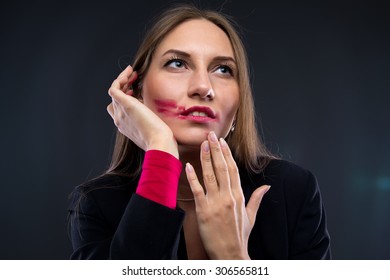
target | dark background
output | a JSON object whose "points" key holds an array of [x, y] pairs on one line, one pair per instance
{"points": [[321, 83]]}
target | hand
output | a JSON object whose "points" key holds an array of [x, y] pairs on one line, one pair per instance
{"points": [[135, 120], [224, 222]]}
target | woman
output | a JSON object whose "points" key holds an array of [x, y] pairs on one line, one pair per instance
{"points": [[186, 104]]}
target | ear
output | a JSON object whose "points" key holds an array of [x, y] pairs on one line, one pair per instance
{"points": [[233, 127]]}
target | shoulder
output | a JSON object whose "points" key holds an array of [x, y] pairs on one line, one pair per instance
{"points": [[289, 181], [102, 195], [287, 173], [278, 172], [105, 185], [291, 210]]}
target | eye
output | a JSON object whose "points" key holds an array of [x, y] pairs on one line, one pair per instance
{"points": [[175, 63], [225, 70]]}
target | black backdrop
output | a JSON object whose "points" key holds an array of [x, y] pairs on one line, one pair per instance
{"points": [[321, 82]]}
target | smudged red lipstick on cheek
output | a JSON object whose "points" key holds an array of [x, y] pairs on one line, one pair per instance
{"points": [[168, 107], [166, 104]]}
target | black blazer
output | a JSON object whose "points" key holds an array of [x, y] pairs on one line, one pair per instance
{"points": [[109, 221]]}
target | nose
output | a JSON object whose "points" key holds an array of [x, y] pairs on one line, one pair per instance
{"points": [[200, 85]]}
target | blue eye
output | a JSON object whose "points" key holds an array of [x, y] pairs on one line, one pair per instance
{"points": [[175, 63], [224, 69]]}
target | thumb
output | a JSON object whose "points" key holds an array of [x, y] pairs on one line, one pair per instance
{"points": [[254, 202]]}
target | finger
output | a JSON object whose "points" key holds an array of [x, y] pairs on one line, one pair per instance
{"points": [[116, 108], [209, 178], [133, 77], [196, 187], [219, 164], [122, 99], [124, 77], [234, 174], [126, 72], [128, 87], [110, 110], [125, 80], [254, 202], [116, 114]]}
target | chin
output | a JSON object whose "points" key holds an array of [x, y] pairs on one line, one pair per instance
{"points": [[190, 135]]}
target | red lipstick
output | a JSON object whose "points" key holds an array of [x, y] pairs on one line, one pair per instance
{"points": [[197, 114], [201, 109], [168, 107], [200, 114]]}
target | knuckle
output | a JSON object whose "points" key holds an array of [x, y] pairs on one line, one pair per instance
{"points": [[221, 167], [117, 122], [206, 158], [240, 199], [229, 204], [233, 169], [210, 178], [128, 108], [193, 179], [198, 192], [115, 83], [216, 148], [203, 217]]}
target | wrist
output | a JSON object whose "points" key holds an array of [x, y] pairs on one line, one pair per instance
{"points": [[230, 255], [159, 178], [165, 143]]}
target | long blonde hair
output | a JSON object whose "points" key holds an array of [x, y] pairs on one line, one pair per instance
{"points": [[247, 148]]}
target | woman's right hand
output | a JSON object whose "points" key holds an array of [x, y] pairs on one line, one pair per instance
{"points": [[135, 120]]}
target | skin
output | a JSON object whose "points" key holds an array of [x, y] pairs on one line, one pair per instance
{"points": [[190, 67], [193, 68]]}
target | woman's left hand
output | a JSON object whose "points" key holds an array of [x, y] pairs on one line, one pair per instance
{"points": [[223, 220]]}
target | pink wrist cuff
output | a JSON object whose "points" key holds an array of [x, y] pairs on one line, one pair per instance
{"points": [[160, 178]]}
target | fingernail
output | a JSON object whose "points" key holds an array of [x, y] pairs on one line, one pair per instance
{"points": [[223, 143], [206, 147], [213, 137], [189, 168]]}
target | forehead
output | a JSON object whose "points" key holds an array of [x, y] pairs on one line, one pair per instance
{"points": [[198, 35]]}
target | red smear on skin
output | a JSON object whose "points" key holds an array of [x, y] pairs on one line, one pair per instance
{"points": [[168, 107], [166, 104]]}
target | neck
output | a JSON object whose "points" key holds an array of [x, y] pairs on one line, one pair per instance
{"points": [[189, 154]]}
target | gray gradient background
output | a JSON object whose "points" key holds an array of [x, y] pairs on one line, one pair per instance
{"points": [[321, 83]]}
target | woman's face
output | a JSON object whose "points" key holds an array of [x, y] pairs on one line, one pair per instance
{"points": [[192, 83]]}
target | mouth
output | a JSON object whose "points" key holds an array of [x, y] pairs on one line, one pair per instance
{"points": [[199, 111], [198, 114]]}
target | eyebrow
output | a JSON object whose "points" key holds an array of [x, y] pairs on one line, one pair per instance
{"points": [[173, 51], [185, 54]]}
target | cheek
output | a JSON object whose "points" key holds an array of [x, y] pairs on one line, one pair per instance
{"points": [[230, 117], [231, 103], [159, 89], [231, 113]]}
